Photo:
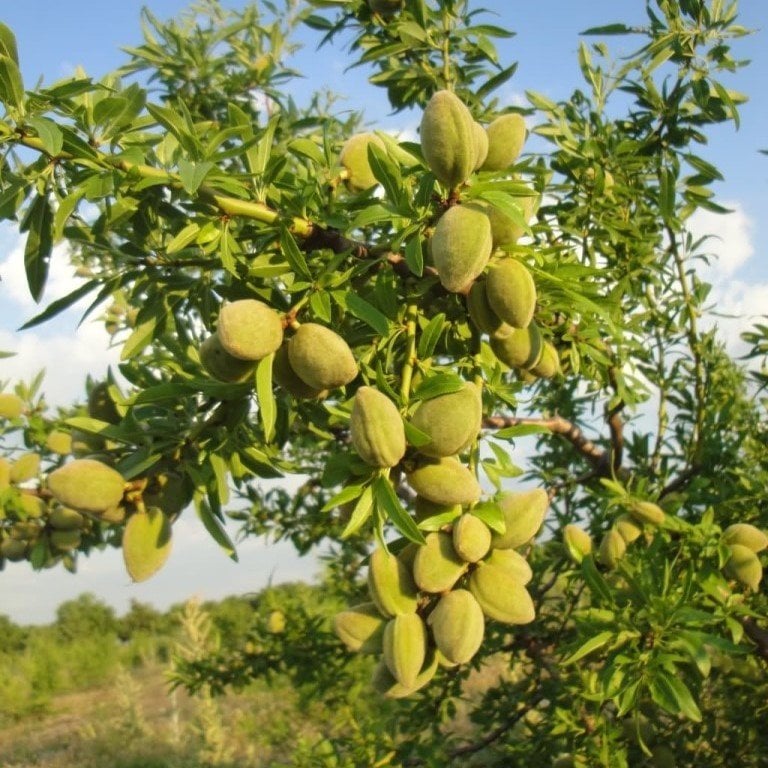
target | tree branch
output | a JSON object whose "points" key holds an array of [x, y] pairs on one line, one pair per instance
{"points": [[557, 425], [757, 635]]}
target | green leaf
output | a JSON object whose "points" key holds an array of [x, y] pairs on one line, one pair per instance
{"points": [[388, 503], [520, 430], [8, 45], [598, 641], [55, 307], [183, 238], [49, 134], [360, 513], [491, 514], [38, 222], [430, 336], [672, 695], [192, 175], [344, 496], [441, 384], [414, 256], [366, 312], [215, 528], [595, 580], [266, 397], [142, 335], [221, 474], [608, 29], [415, 436], [11, 85], [293, 254]]}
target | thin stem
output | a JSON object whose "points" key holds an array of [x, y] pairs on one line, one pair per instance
{"points": [[411, 315]]}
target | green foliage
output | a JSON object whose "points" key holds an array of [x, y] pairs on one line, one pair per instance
{"points": [[216, 186]]}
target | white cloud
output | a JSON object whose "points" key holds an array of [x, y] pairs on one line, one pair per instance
{"points": [[729, 242], [739, 290]]}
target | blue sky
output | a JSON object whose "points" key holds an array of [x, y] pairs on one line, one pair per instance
{"points": [[54, 37]]}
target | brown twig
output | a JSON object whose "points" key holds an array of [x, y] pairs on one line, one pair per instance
{"points": [[557, 425], [757, 635]]}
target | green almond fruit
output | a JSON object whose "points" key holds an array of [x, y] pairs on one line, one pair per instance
{"points": [[5, 473], [59, 442], [249, 329], [386, 685], [744, 566], [101, 406], [481, 313], [627, 526], [321, 358], [360, 628], [458, 626], [471, 538], [512, 563], [385, 7], [11, 406], [146, 543], [65, 541], [445, 481], [13, 550], [354, 158], [505, 231], [447, 138], [66, 519], [437, 566], [506, 136], [276, 623], [376, 428], [451, 421], [548, 365], [87, 485], [480, 138], [223, 366], [522, 348], [461, 246], [500, 596], [168, 491], [390, 584], [404, 647], [289, 380], [524, 513], [577, 541], [747, 535], [32, 506], [612, 549], [511, 292], [647, 512], [26, 467], [25, 530]]}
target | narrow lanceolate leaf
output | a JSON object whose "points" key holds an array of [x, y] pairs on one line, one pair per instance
{"points": [[442, 384], [292, 253], [366, 312], [38, 223], [266, 397], [11, 85], [598, 641], [142, 335], [430, 336], [8, 44], [390, 506], [672, 695], [146, 543], [55, 307], [216, 529], [360, 514]]}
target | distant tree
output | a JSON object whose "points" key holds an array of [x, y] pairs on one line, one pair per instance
{"points": [[84, 617], [382, 322], [13, 638]]}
